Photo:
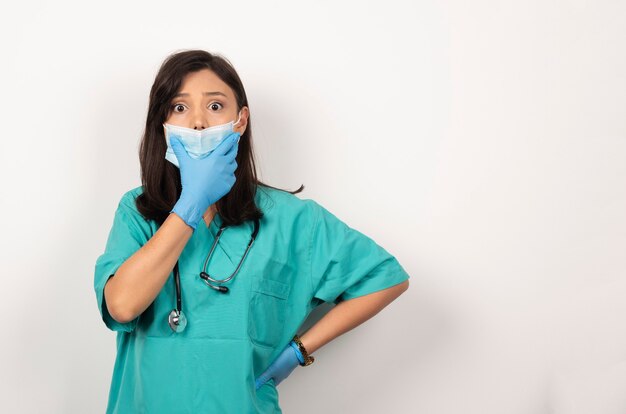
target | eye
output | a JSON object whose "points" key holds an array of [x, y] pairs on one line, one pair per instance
{"points": [[176, 106], [215, 106]]}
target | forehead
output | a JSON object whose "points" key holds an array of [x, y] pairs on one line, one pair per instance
{"points": [[205, 80]]}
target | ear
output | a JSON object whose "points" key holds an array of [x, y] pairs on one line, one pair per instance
{"points": [[243, 122]]}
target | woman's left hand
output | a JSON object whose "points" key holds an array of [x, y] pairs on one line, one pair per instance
{"points": [[282, 366]]}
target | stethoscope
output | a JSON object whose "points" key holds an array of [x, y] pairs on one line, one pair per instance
{"points": [[177, 319]]}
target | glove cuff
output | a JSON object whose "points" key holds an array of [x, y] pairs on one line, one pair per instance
{"points": [[306, 358], [188, 212], [297, 351]]}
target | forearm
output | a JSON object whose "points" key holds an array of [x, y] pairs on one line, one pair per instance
{"points": [[349, 314], [141, 277]]}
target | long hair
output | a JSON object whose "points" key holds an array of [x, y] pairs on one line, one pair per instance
{"points": [[160, 178]]}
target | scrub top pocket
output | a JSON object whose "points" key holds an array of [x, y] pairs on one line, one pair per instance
{"points": [[267, 311]]}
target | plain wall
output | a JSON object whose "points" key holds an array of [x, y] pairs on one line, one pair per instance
{"points": [[482, 143]]}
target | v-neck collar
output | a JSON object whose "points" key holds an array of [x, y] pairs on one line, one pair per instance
{"points": [[234, 240], [214, 225], [206, 236]]}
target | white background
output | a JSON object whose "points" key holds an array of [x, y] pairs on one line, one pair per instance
{"points": [[482, 143]]}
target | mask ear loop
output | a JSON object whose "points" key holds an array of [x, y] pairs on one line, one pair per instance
{"points": [[238, 119]]}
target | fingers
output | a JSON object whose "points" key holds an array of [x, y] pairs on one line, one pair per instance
{"points": [[227, 144], [178, 147], [231, 157], [261, 380], [231, 166], [232, 151]]}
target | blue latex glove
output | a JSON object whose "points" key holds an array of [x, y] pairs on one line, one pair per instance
{"points": [[282, 366], [204, 180]]}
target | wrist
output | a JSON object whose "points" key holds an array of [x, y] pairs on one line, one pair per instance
{"points": [[187, 211], [308, 359], [295, 348]]}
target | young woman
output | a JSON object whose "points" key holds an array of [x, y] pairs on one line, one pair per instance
{"points": [[215, 271]]}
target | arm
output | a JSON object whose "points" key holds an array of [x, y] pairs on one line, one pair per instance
{"points": [[342, 318], [141, 277], [349, 314]]}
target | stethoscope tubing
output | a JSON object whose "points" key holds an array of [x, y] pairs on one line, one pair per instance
{"points": [[176, 314]]}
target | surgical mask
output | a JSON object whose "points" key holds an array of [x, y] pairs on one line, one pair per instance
{"points": [[198, 144]]}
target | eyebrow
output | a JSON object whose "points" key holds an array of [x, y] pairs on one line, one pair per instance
{"points": [[203, 93]]}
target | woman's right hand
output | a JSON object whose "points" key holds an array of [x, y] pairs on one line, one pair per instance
{"points": [[204, 180]]}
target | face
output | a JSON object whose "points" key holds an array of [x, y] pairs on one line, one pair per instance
{"points": [[204, 100]]}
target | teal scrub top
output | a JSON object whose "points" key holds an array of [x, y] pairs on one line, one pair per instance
{"points": [[303, 256]]}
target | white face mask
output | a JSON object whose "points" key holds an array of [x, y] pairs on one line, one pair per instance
{"points": [[197, 143]]}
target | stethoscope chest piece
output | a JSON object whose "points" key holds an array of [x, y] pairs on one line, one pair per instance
{"points": [[177, 320]]}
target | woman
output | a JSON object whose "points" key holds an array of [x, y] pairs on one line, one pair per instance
{"points": [[188, 340]]}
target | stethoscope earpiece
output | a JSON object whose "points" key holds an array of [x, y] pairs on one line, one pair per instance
{"points": [[207, 278]]}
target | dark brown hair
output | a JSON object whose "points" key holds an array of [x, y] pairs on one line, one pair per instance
{"points": [[160, 178]]}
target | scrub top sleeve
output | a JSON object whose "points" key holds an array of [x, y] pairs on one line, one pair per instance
{"points": [[130, 231], [346, 263]]}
